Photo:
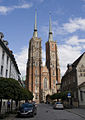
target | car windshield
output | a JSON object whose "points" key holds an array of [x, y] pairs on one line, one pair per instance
{"points": [[26, 105], [58, 103]]}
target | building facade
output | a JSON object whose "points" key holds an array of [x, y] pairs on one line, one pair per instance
{"points": [[41, 80], [8, 65], [74, 81]]}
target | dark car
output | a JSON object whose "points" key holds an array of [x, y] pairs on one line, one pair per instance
{"points": [[26, 110]]}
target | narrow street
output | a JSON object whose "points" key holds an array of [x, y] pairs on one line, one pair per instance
{"points": [[46, 112]]}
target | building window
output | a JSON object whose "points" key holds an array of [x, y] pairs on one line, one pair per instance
{"points": [[3, 55], [7, 60], [1, 70], [36, 87], [54, 83], [53, 72], [45, 83], [6, 73], [53, 65], [52, 45], [36, 96], [35, 72], [36, 63], [36, 81], [81, 95], [81, 74], [37, 44]]}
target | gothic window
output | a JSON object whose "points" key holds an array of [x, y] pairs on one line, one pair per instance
{"points": [[53, 72], [37, 44], [35, 72], [45, 83], [36, 87], [36, 96], [53, 65], [54, 83], [36, 63], [36, 81], [52, 45]]}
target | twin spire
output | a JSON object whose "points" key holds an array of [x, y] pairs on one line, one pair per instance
{"points": [[35, 26], [50, 28]]}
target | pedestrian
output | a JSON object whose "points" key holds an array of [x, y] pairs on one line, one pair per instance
{"points": [[8, 106]]}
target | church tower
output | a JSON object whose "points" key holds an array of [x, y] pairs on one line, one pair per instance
{"points": [[52, 61], [41, 80], [33, 75]]}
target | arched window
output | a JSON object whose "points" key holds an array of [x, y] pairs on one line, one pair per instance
{"points": [[35, 72], [36, 81], [54, 83], [45, 83]]}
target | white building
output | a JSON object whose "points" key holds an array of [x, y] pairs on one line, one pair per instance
{"points": [[8, 65]]}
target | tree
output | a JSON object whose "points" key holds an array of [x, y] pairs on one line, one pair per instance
{"points": [[11, 89], [62, 95]]}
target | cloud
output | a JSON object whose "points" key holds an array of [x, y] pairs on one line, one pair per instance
{"points": [[72, 26], [5, 9], [43, 57], [74, 40], [67, 54], [66, 28], [21, 59]]}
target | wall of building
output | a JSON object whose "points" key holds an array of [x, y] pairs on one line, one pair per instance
{"points": [[81, 71], [9, 70], [81, 93]]}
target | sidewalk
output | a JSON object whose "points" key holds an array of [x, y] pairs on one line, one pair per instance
{"points": [[78, 111]]}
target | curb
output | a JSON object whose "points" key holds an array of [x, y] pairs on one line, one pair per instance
{"points": [[76, 113]]}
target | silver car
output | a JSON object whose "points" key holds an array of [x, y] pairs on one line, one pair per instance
{"points": [[58, 105]]}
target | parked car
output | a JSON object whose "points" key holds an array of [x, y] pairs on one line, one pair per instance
{"points": [[26, 110], [34, 103], [58, 105]]}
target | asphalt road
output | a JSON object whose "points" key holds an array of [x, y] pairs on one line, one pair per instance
{"points": [[46, 112]]}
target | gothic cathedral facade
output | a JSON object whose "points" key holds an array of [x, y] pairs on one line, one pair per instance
{"points": [[41, 80]]}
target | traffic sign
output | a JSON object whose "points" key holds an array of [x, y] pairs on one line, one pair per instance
{"points": [[69, 95]]}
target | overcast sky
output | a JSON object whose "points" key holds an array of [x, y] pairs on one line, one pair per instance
{"points": [[68, 26]]}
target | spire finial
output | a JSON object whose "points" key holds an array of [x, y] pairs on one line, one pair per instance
{"points": [[50, 28], [35, 25]]}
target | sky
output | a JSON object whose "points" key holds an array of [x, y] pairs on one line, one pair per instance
{"points": [[68, 26]]}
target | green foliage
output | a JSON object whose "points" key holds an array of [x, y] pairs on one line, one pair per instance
{"points": [[11, 89], [62, 95]]}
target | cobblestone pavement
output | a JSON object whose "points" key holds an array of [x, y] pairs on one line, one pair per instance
{"points": [[46, 112]]}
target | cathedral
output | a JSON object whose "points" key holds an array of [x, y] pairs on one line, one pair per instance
{"points": [[41, 80]]}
